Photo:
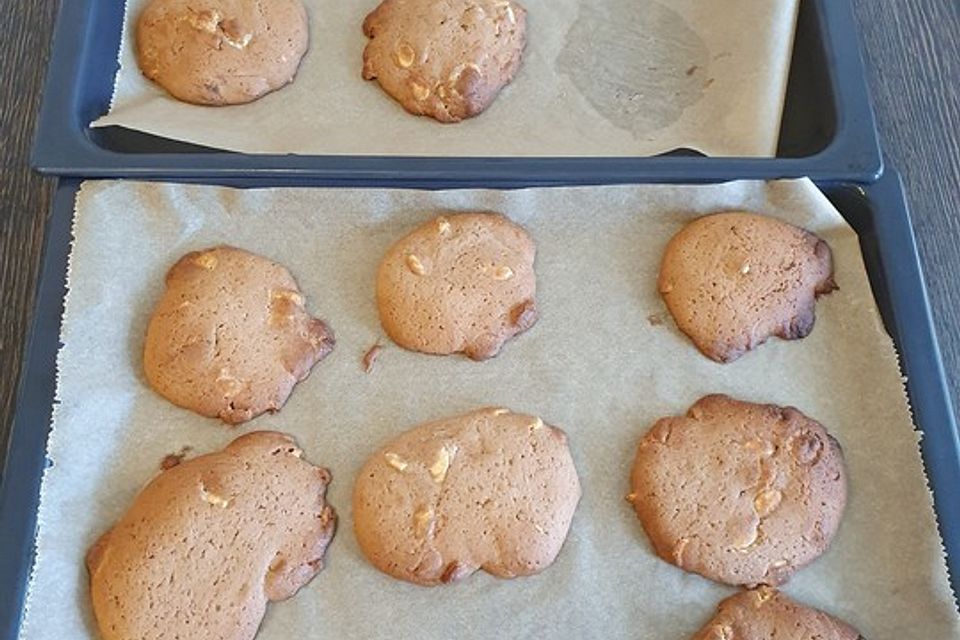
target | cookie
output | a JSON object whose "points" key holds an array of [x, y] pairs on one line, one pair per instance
{"points": [[230, 337], [447, 60], [210, 541], [733, 280], [767, 614], [460, 283], [491, 490], [221, 52], [740, 493]]}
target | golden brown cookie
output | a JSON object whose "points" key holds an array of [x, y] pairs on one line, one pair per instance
{"points": [[491, 490], [447, 60], [732, 280], [230, 337], [221, 52], [210, 541], [459, 283], [767, 614], [738, 492]]}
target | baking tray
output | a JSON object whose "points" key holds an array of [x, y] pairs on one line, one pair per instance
{"points": [[878, 213], [828, 131]]}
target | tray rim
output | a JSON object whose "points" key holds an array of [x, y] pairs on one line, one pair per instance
{"points": [[898, 270], [62, 146]]}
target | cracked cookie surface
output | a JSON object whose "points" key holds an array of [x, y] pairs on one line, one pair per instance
{"points": [[462, 283], [491, 490], [230, 337], [221, 52], [733, 280], [210, 541], [737, 492], [765, 614], [447, 60]]}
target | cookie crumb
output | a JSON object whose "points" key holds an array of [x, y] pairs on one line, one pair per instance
{"points": [[173, 459], [370, 357]]}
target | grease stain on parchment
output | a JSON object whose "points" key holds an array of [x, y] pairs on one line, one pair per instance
{"points": [[637, 62]]}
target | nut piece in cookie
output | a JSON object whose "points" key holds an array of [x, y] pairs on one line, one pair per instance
{"points": [[231, 337], [221, 52], [765, 613], [209, 542], [462, 283], [491, 490], [447, 60], [732, 280], [740, 493]]}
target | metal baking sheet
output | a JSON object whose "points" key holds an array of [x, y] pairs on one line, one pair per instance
{"points": [[886, 242], [828, 130]]}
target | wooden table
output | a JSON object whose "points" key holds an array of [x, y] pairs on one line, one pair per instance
{"points": [[913, 60]]}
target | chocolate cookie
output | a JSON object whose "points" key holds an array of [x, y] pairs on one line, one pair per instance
{"points": [[210, 541], [491, 490], [738, 492], [767, 614], [732, 280], [230, 337], [461, 283], [221, 52], [447, 60]]}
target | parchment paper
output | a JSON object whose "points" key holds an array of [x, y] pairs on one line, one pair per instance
{"points": [[610, 77], [594, 365]]}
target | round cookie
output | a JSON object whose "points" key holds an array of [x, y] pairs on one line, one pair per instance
{"points": [[737, 492], [221, 52], [230, 337], [767, 614], [732, 280], [460, 283], [491, 490], [447, 60], [210, 541]]}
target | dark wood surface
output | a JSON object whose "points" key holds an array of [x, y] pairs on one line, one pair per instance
{"points": [[913, 61]]}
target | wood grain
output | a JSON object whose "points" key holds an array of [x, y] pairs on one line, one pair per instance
{"points": [[24, 196], [913, 61], [913, 66]]}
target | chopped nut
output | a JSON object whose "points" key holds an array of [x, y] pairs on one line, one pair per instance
{"points": [[630, 497], [747, 540], [420, 91], [745, 269], [206, 260], [184, 304], [512, 18], [205, 21], [502, 273], [764, 447], [678, 550], [413, 262], [405, 55], [721, 632], [666, 287], [540, 529], [212, 498], [395, 461], [443, 225], [423, 522], [288, 294], [764, 593], [440, 466], [536, 424], [500, 411], [370, 357], [460, 68], [766, 502], [228, 385], [238, 43]]}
